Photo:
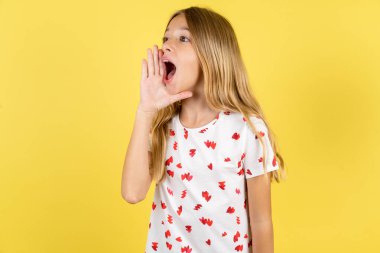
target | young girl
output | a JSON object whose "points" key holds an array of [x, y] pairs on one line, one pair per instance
{"points": [[202, 136]]}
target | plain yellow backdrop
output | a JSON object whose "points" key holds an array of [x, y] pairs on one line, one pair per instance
{"points": [[69, 87]]}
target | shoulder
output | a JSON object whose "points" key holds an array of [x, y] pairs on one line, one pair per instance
{"points": [[260, 127], [235, 117], [256, 120], [237, 123], [239, 119], [232, 121]]}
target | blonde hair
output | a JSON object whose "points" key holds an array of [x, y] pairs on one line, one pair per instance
{"points": [[226, 85]]}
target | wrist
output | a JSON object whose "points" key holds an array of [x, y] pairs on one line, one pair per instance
{"points": [[146, 112]]}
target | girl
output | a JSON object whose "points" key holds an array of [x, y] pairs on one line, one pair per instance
{"points": [[202, 136]]}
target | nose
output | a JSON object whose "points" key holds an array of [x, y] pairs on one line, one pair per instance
{"points": [[166, 47]]}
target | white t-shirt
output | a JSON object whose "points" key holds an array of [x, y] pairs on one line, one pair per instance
{"points": [[202, 204]]}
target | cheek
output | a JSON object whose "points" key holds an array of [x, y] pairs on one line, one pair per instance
{"points": [[192, 69], [191, 61], [191, 75], [191, 72]]}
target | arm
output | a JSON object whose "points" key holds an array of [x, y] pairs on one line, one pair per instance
{"points": [[259, 206], [136, 179]]}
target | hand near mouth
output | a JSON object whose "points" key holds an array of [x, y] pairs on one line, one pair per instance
{"points": [[153, 93]]}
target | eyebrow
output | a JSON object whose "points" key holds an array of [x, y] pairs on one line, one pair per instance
{"points": [[181, 28]]}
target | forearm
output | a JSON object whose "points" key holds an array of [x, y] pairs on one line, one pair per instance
{"points": [[262, 237], [136, 178]]}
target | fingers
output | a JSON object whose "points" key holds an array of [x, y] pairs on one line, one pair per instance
{"points": [[150, 63], [180, 96], [155, 58], [155, 65], [161, 62], [144, 70]]}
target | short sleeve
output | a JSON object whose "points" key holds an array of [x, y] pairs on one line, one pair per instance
{"points": [[150, 142], [253, 159]]}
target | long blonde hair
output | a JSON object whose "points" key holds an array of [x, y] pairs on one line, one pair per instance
{"points": [[226, 85]]}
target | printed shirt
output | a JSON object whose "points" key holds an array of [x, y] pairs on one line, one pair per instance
{"points": [[202, 204]]}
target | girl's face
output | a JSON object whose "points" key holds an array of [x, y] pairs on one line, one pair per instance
{"points": [[177, 48]]}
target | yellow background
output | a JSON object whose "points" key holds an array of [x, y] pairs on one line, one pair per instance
{"points": [[69, 88]]}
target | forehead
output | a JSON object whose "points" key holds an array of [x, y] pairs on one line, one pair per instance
{"points": [[177, 23]]}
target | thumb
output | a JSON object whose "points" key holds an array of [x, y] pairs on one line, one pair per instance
{"points": [[180, 96]]}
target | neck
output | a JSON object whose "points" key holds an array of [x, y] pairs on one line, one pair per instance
{"points": [[195, 111]]}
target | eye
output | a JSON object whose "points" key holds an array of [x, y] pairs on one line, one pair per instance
{"points": [[164, 39], [184, 37]]}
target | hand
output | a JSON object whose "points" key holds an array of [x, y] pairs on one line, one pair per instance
{"points": [[153, 93]]}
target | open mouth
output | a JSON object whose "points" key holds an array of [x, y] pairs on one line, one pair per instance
{"points": [[170, 70]]}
